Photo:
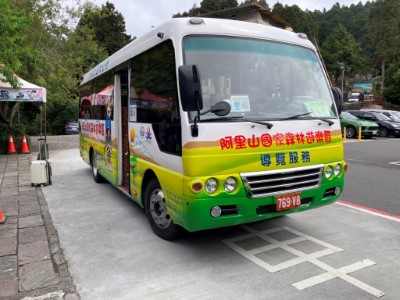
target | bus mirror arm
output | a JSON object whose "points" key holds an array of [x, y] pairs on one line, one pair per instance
{"points": [[195, 128], [338, 97]]}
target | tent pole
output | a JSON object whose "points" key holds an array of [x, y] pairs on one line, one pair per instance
{"points": [[41, 119], [45, 123]]}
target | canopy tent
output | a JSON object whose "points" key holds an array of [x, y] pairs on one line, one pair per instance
{"points": [[27, 92]]}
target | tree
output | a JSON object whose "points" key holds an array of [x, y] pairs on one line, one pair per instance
{"points": [[263, 3], [299, 20], [354, 18], [207, 6], [40, 44], [66, 54], [216, 5], [392, 90], [108, 26], [340, 49], [384, 32], [17, 52]]}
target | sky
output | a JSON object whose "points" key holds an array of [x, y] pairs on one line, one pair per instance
{"points": [[141, 15]]}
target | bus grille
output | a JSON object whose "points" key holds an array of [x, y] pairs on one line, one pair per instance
{"points": [[268, 183]]}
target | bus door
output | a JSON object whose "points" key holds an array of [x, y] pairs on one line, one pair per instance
{"points": [[124, 126]]}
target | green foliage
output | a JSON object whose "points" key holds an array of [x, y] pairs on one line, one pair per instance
{"points": [[392, 90], [353, 17], [16, 130], [340, 49], [216, 5], [299, 20], [207, 6], [107, 26], [61, 55], [263, 3], [17, 52], [384, 30]]}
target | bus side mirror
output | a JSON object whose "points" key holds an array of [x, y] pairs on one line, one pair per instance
{"points": [[337, 96], [190, 88]]}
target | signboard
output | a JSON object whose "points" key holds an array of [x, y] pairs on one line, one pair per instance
{"points": [[363, 86], [23, 94]]}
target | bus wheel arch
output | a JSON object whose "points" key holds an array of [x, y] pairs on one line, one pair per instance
{"points": [[156, 209], [148, 176], [95, 172]]}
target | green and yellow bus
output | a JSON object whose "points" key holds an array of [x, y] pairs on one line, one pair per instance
{"points": [[208, 123]]}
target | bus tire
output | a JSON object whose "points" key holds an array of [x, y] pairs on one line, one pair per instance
{"points": [[95, 171], [157, 213]]}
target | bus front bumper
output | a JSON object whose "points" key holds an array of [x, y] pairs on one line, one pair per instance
{"points": [[198, 213]]}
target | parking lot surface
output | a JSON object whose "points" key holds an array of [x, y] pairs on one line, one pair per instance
{"points": [[335, 252]]}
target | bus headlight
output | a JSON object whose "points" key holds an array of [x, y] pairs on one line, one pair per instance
{"points": [[211, 185], [328, 172], [337, 170], [230, 184]]}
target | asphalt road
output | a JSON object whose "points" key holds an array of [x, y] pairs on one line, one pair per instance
{"points": [[334, 252], [373, 177]]}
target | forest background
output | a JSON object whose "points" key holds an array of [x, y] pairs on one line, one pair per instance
{"points": [[53, 43]]}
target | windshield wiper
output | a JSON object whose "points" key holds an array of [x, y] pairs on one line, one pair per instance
{"points": [[238, 118], [330, 123], [296, 116], [306, 114]]}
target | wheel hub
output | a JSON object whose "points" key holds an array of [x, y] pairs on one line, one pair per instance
{"points": [[158, 209]]}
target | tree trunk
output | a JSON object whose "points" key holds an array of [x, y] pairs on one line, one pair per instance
{"points": [[14, 110], [4, 111]]}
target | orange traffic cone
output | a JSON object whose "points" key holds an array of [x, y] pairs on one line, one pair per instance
{"points": [[24, 146], [11, 147], [2, 217]]}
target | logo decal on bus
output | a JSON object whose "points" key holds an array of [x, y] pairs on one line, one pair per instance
{"points": [[142, 132], [148, 135], [266, 140]]}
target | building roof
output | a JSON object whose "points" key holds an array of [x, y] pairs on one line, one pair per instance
{"points": [[231, 13]]}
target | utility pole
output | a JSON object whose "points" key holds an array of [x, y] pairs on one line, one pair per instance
{"points": [[383, 76], [342, 68]]}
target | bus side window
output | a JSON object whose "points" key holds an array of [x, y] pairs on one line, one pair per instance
{"points": [[154, 92]]}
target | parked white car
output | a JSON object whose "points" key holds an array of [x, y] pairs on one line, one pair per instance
{"points": [[354, 97]]}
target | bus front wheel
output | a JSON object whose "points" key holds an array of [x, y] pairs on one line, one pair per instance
{"points": [[157, 212]]}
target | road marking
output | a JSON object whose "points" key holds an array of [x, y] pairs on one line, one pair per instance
{"points": [[300, 257], [372, 211], [396, 163], [356, 141]]}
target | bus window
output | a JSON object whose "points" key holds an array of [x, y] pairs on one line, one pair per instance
{"points": [[154, 93], [259, 79]]}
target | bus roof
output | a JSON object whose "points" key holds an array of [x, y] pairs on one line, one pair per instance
{"points": [[177, 28]]}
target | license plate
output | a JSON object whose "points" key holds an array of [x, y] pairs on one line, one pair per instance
{"points": [[288, 201], [375, 132]]}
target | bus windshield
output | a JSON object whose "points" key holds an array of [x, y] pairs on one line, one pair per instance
{"points": [[261, 80]]}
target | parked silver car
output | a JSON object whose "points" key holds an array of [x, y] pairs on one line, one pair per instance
{"points": [[71, 127], [393, 114]]}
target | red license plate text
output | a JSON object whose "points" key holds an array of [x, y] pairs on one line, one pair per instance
{"points": [[288, 201]]}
